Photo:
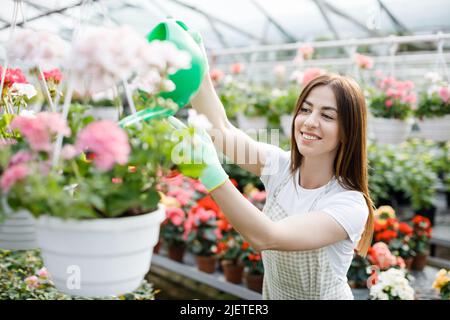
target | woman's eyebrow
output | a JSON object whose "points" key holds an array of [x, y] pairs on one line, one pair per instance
{"points": [[323, 107]]}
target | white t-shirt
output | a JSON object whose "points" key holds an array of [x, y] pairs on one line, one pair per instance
{"points": [[348, 208]]}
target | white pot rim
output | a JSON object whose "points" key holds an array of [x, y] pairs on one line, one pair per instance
{"points": [[103, 225]]}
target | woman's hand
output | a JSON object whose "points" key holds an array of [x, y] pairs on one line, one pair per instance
{"points": [[196, 147]]}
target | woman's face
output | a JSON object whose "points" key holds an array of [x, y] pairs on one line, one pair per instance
{"points": [[316, 124]]}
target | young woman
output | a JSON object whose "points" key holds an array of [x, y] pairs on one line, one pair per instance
{"points": [[318, 208]]}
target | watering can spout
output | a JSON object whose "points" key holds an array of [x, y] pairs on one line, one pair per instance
{"points": [[187, 81]]}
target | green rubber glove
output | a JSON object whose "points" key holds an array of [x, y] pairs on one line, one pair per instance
{"points": [[201, 150]]}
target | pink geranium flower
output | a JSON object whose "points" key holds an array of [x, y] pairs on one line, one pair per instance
{"points": [[311, 74], [363, 62], [38, 129], [55, 75], [107, 141], [216, 75], [259, 196], [12, 175], [444, 93], [237, 68], [43, 273], [204, 215], [20, 157], [175, 215], [32, 282], [306, 51], [182, 196], [13, 76]]}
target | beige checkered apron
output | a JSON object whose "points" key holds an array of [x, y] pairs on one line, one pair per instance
{"points": [[299, 275]]}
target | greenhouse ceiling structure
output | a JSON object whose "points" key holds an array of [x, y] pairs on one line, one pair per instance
{"points": [[263, 27]]}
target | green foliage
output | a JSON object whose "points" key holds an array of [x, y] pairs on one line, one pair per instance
{"points": [[16, 266], [253, 262], [432, 106], [357, 274], [402, 169], [398, 110], [202, 239], [77, 189]]}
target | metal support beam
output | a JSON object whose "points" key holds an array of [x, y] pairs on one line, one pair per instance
{"points": [[283, 31], [344, 15], [46, 14], [216, 19], [330, 25], [400, 26]]}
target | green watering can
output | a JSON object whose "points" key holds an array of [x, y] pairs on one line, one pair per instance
{"points": [[187, 81]]}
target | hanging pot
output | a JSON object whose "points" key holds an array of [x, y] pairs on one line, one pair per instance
{"points": [[251, 123], [18, 232], [99, 257], [392, 131], [437, 129]]}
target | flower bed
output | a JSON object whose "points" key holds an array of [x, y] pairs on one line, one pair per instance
{"points": [[23, 276]]}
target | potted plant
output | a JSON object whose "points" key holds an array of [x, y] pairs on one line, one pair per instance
{"points": [[442, 284], [284, 106], [391, 104], [17, 227], [231, 248], [202, 234], [392, 284], [381, 257], [23, 276], [401, 245], [255, 196], [257, 109], [433, 111], [359, 272], [420, 241], [172, 233], [100, 199], [254, 270]]}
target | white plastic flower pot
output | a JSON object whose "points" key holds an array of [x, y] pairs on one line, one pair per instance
{"points": [[100, 257], [253, 123], [18, 232], [104, 113], [393, 131], [437, 129], [286, 124]]}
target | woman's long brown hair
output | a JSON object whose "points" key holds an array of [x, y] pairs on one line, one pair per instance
{"points": [[350, 164]]}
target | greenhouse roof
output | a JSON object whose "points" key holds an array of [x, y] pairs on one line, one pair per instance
{"points": [[237, 23]]}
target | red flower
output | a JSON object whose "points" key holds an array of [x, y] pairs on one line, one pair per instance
{"points": [[209, 204], [13, 76], [405, 228], [223, 225], [245, 245], [54, 75], [254, 257]]}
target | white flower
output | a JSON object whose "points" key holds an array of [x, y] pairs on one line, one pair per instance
{"points": [[279, 70], [41, 48], [276, 93], [23, 89], [433, 77], [27, 113], [198, 121], [296, 76], [394, 282], [104, 56]]}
